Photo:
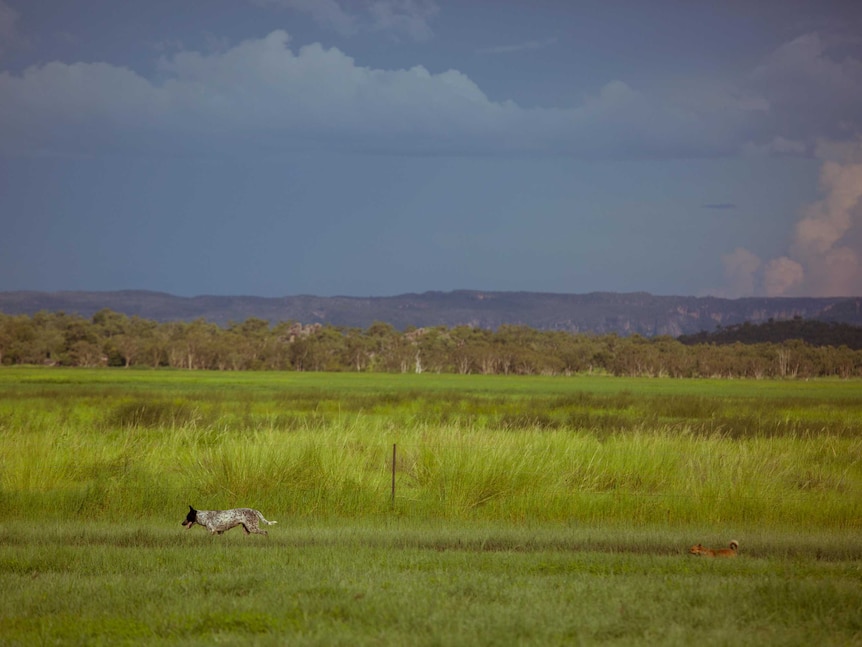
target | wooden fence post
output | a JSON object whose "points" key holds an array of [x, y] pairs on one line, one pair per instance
{"points": [[393, 473]]}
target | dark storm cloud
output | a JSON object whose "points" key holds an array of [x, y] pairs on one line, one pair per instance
{"points": [[263, 94]]}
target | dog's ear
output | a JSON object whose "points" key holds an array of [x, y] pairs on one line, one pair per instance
{"points": [[191, 509]]}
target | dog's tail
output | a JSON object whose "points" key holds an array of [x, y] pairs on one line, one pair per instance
{"points": [[261, 517]]}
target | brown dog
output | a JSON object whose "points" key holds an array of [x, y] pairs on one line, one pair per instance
{"points": [[699, 550]]}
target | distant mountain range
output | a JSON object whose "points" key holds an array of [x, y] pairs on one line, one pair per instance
{"points": [[597, 312]]}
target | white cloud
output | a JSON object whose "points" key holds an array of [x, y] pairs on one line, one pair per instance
{"points": [[782, 275], [740, 273], [823, 243], [813, 101], [824, 257], [826, 221]]}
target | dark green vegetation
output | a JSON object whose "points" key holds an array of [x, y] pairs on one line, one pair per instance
{"points": [[116, 340], [813, 333], [528, 510]]}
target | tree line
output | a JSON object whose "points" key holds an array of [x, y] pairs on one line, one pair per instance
{"points": [[114, 339], [815, 333]]}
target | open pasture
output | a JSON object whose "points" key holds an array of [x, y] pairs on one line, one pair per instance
{"points": [[526, 510]]}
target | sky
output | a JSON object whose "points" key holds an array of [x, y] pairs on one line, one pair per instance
{"points": [[382, 147]]}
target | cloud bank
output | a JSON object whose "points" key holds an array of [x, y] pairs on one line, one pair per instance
{"points": [[824, 258], [264, 94]]}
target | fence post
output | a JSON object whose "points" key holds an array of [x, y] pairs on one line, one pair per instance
{"points": [[393, 473]]}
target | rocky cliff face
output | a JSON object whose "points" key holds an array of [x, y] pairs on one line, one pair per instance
{"points": [[597, 312]]}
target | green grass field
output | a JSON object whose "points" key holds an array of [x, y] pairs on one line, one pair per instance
{"points": [[527, 510]]}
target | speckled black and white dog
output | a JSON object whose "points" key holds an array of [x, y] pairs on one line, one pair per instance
{"points": [[217, 521]]}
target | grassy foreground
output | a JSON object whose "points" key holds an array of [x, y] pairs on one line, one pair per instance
{"points": [[527, 510], [419, 584]]}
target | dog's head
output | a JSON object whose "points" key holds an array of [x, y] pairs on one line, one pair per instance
{"points": [[191, 518]]}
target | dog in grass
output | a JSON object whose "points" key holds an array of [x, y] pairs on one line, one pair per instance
{"points": [[217, 521], [698, 549]]}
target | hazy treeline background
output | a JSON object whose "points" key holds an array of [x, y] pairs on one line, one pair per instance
{"points": [[775, 349]]}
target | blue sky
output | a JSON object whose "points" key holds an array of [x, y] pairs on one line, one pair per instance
{"points": [[378, 147]]}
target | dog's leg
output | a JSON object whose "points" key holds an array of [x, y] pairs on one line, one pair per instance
{"points": [[254, 527]]}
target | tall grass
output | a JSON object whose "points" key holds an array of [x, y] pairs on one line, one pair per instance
{"points": [[144, 444], [529, 511]]}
